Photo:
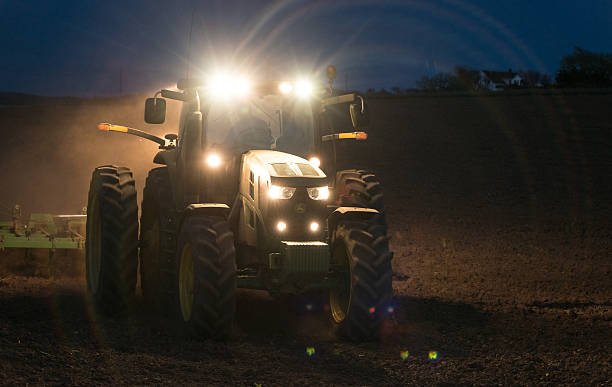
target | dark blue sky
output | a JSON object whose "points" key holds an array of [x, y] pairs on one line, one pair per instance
{"points": [[80, 47]]}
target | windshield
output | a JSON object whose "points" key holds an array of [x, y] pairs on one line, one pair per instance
{"points": [[270, 122]]}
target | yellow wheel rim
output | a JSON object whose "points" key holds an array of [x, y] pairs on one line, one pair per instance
{"points": [[186, 283], [340, 295]]}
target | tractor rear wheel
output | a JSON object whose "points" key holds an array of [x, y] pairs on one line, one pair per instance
{"points": [[112, 239], [206, 277], [361, 188], [158, 242], [360, 302]]}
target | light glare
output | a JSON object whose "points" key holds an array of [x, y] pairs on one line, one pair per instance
{"points": [[303, 88], [278, 192], [315, 162], [285, 87], [314, 226], [318, 193], [281, 226], [223, 86], [213, 160]]}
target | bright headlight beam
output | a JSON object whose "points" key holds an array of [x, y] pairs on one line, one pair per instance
{"points": [[213, 160], [318, 193], [303, 88], [285, 87], [278, 192], [219, 85], [223, 86], [314, 161], [241, 86]]}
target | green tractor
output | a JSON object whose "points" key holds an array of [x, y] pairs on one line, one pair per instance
{"points": [[252, 194]]}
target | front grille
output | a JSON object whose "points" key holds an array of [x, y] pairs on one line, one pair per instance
{"points": [[305, 257]]}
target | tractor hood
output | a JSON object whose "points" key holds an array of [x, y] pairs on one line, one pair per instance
{"points": [[286, 169]]}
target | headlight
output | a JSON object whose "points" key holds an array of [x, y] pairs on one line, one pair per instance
{"points": [[319, 193], [315, 162], [213, 160], [303, 88], [278, 192], [285, 87], [223, 86]]}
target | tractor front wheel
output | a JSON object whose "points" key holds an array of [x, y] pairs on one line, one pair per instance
{"points": [[361, 299], [206, 277], [111, 246]]}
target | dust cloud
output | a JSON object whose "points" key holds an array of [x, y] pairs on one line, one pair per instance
{"points": [[52, 146]]}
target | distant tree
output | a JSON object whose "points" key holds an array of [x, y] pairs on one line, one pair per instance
{"points": [[534, 79], [466, 78], [440, 81], [583, 68], [382, 92], [396, 90]]}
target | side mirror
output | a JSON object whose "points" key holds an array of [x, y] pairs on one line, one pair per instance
{"points": [[359, 114], [155, 110]]}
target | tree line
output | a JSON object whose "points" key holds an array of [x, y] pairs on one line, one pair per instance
{"points": [[579, 69]]}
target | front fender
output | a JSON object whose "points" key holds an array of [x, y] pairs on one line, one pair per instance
{"points": [[205, 209], [349, 213]]}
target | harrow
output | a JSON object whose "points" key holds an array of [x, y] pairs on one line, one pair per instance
{"points": [[43, 231]]}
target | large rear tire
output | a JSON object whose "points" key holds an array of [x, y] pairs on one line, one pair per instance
{"points": [[361, 188], [158, 229], [361, 301], [206, 277], [112, 239]]}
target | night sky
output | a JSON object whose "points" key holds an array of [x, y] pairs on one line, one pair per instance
{"points": [[81, 47]]}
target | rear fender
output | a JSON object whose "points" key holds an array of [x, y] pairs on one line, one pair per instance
{"points": [[349, 213]]}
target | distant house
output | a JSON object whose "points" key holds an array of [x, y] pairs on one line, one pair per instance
{"points": [[499, 80]]}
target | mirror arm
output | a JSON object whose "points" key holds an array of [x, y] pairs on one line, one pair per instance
{"points": [[134, 132], [362, 103]]}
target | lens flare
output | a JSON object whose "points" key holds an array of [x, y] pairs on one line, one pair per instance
{"points": [[433, 355]]}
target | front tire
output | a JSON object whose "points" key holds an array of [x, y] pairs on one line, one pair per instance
{"points": [[361, 300], [206, 277], [111, 246]]}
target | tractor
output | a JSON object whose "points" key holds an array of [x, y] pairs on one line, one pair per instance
{"points": [[251, 193]]}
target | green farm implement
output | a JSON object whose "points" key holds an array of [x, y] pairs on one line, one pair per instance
{"points": [[43, 231]]}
